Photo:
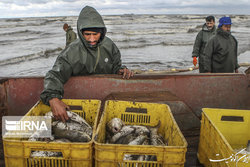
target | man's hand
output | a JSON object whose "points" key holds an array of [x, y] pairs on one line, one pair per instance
{"points": [[194, 61], [126, 73], [59, 109]]}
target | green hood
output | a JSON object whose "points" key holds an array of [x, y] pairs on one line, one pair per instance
{"points": [[79, 58], [90, 18]]}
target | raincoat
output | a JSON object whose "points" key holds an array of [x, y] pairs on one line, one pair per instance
{"points": [[82, 59], [220, 53], [70, 36], [200, 42]]}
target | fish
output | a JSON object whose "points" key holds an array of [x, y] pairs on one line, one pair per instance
{"points": [[72, 125], [45, 154], [145, 157], [49, 153], [72, 135], [141, 130], [75, 129], [38, 136], [137, 141], [123, 132], [76, 118], [73, 117], [126, 139], [155, 139], [114, 126]]}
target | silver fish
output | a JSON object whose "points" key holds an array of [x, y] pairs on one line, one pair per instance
{"points": [[45, 154], [126, 139], [72, 125], [141, 130], [72, 135], [123, 132], [138, 140], [37, 136], [49, 153], [155, 139], [114, 125], [145, 157], [73, 117], [76, 129]]}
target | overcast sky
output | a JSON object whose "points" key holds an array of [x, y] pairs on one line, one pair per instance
{"points": [[36, 8]]}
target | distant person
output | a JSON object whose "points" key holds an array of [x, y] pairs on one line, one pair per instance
{"points": [[91, 53], [203, 36], [70, 34], [220, 53]]}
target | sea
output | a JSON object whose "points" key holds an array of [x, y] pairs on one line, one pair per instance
{"points": [[30, 46]]}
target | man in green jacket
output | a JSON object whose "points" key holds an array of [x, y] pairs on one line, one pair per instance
{"points": [[220, 53], [91, 53], [70, 34], [203, 36]]}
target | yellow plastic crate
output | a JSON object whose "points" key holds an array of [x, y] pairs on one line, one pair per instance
{"points": [[224, 132], [17, 151], [135, 113]]}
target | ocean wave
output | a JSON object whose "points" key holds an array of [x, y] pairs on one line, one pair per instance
{"points": [[22, 32], [126, 40], [147, 32], [136, 46], [154, 44], [182, 43], [6, 42], [191, 17], [10, 42], [47, 53], [22, 36], [146, 63], [196, 29], [14, 20], [23, 23]]}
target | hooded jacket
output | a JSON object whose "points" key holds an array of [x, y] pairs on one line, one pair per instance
{"points": [[82, 59], [200, 42], [70, 36], [220, 53]]}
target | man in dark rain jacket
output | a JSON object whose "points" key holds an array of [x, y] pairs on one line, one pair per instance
{"points": [[203, 36], [70, 34], [91, 53], [220, 53]]}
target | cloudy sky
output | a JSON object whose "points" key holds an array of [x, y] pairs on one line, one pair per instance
{"points": [[36, 8]]}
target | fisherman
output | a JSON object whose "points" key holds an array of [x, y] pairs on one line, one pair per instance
{"points": [[92, 53], [220, 53], [70, 34], [207, 31]]}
